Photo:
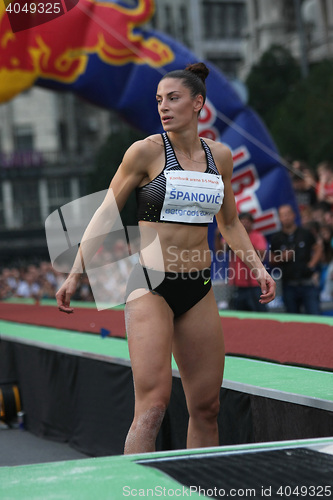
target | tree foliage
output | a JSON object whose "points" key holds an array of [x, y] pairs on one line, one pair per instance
{"points": [[108, 160], [303, 124], [298, 112], [271, 80]]}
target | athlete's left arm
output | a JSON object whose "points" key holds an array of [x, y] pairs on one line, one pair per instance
{"points": [[233, 230]]}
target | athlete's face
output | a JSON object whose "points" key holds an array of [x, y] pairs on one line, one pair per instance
{"points": [[176, 107], [287, 216]]}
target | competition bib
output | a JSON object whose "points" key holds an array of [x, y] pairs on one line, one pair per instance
{"points": [[191, 197]]}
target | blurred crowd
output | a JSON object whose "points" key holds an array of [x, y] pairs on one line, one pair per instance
{"points": [[299, 255], [314, 195], [106, 284], [37, 281]]}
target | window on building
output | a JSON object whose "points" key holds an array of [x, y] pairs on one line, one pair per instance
{"points": [[256, 9], [183, 25], [2, 211], [59, 192], [63, 136], [224, 19], [168, 24], [26, 203], [229, 67], [2, 156], [83, 186], [153, 23], [23, 137], [289, 15]]}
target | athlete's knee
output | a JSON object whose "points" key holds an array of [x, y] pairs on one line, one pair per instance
{"points": [[206, 410]]}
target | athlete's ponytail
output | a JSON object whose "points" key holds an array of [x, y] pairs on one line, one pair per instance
{"points": [[193, 76]]}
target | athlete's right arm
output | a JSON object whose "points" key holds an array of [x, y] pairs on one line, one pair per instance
{"points": [[130, 173]]}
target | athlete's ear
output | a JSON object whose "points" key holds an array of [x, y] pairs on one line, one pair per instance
{"points": [[198, 102]]}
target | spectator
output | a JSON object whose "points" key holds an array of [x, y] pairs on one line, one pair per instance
{"points": [[5, 290], [115, 265], [325, 182], [304, 185], [306, 216], [328, 218], [320, 212], [326, 234], [305, 196], [297, 253], [326, 293], [47, 272], [83, 292], [38, 282], [28, 286], [47, 291], [247, 292], [314, 227], [10, 278]]}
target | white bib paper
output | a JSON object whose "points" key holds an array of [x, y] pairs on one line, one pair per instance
{"points": [[191, 197]]}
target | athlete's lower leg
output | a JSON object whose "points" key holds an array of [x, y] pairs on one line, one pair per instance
{"points": [[203, 427], [142, 435]]}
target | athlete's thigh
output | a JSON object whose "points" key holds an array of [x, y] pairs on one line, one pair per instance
{"points": [[198, 349], [149, 326]]}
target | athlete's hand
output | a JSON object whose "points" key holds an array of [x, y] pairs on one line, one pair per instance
{"points": [[268, 287], [65, 293]]}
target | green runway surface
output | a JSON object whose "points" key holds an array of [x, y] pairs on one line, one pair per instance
{"points": [[304, 382], [118, 477], [283, 317], [114, 478]]}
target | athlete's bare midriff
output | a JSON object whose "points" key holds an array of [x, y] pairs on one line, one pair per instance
{"points": [[184, 247]]}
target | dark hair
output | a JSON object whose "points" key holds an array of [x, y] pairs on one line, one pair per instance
{"points": [[326, 164], [246, 215], [193, 76]]}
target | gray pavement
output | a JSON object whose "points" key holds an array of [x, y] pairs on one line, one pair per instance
{"points": [[20, 447]]}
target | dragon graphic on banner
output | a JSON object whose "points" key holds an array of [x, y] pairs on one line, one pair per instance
{"points": [[102, 53]]}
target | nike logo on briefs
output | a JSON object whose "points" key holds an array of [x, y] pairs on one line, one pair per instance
{"points": [[207, 281]]}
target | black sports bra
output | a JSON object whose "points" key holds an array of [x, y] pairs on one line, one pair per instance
{"points": [[185, 197]]}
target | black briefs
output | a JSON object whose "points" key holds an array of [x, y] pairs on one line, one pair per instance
{"points": [[181, 291]]}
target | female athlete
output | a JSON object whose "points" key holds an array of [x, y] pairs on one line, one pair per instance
{"points": [[181, 182]]}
